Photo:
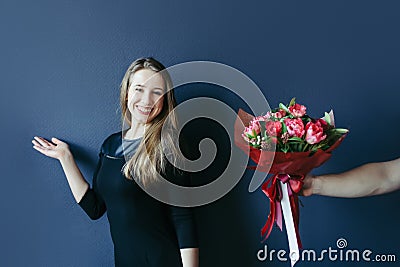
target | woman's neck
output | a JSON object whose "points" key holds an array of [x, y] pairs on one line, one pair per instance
{"points": [[136, 131]]}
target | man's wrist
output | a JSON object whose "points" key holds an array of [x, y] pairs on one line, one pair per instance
{"points": [[316, 185]]}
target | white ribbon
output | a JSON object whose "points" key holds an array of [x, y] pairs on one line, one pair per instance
{"points": [[290, 230]]}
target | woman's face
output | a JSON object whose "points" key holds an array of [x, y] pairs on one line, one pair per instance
{"points": [[145, 95]]}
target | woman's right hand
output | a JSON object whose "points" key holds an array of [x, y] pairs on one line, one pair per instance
{"points": [[56, 149]]}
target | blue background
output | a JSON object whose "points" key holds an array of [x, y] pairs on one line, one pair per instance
{"points": [[61, 65]]}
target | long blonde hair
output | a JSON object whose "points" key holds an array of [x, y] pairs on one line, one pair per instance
{"points": [[149, 160]]}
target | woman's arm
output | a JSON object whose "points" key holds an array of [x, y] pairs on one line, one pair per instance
{"points": [[366, 180], [185, 226], [190, 257], [60, 150]]}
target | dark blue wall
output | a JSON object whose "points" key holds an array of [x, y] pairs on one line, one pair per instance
{"points": [[61, 64]]}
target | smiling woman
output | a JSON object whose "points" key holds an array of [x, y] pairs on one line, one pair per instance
{"points": [[145, 232], [147, 100], [145, 95]]}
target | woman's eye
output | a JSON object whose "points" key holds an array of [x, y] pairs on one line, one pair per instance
{"points": [[138, 89], [157, 92]]}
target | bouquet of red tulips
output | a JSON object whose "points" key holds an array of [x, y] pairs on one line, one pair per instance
{"points": [[287, 143]]}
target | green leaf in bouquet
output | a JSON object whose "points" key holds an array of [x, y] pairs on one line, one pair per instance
{"points": [[331, 131], [299, 147], [325, 147], [285, 148], [292, 102], [263, 129], [331, 118], [331, 135], [305, 147], [291, 147], [282, 106], [319, 145], [313, 149], [327, 118], [306, 119], [341, 130], [337, 131], [312, 152], [284, 128], [332, 140], [295, 139]]}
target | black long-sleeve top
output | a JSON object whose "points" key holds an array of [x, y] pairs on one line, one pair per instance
{"points": [[145, 231]]}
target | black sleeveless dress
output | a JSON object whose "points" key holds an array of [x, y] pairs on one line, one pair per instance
{"points": [[145, 232]]}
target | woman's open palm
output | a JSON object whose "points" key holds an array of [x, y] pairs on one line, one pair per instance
{"points": [[54, 149]]}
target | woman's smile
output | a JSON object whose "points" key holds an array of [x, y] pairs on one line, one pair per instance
{"points": [[144, 110]]}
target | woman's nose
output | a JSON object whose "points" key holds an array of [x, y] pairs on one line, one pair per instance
{"points": [[147, 99]]}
